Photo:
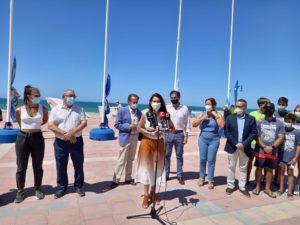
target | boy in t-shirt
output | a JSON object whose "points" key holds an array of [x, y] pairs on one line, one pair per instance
{"points": [[259, 116], [289, 153], [270, 137]]}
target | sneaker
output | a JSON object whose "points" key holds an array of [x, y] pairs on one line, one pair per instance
{"points": [[296, 190], [20, 196], [59, 194], [80, 192], [245, 193], [39, 194], [229, 191]]}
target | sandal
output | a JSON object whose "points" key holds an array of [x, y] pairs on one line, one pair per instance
{"points": [[151, 198], [290, 197], [200, 182], [279, 193], [211, 185], [270, 194], [255, 191], [146, 202]]}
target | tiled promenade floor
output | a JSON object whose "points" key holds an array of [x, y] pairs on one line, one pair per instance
{"points": [[183, 204]]}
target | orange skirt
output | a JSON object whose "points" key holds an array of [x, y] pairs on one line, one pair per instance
{"points": [[146, 162]]}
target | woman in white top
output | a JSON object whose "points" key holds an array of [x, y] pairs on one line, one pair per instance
{"points": [[30, 141], [151, 143]]}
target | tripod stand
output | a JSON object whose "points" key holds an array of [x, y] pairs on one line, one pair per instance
{"points": [[154, 213]]}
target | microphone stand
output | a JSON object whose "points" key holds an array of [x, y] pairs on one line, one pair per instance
{"points": [[154, 213]]}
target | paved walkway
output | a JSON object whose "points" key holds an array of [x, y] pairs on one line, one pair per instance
{"points": [[184, 204]]}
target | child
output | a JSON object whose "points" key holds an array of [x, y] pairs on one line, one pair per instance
{"points": [[297, 127], [289, 150]]}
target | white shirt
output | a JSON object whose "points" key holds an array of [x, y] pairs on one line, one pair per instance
{"points": [[134, 119], [180, 117], [67, 119]]}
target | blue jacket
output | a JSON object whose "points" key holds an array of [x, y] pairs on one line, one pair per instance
{"points": [[231, 133], [122, 123]]}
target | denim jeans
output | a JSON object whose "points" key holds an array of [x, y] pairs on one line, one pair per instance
{"points": [[208, 146], [62, 151], [175, 140]]}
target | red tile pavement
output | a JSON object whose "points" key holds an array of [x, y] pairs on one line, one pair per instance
{"points": [[104, 206]]}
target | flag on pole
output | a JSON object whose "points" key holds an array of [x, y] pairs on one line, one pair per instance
{"points": [[104, 125], [13, 93]]}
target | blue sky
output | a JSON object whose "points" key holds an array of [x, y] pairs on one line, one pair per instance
{"points": [[59, 44]]}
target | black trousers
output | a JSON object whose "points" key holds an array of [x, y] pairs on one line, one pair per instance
{"points": [[26, 145]]}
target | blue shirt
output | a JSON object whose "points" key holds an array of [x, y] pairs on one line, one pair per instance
{"points": [[210, 126], [241, 124]]}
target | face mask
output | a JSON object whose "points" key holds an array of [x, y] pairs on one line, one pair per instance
{"points": [[239, 111], [155, 106], [174, 101], [280, 107], [268, 112], [282, 112], [134, 106], [297, 114], [288, 125], [208, 108], [70, 101], [36, 100]]}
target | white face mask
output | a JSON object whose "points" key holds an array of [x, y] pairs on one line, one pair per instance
{"points": [[155, 106], [288, 125], [297, 114], [208, 108], [239, 111], [134, 106]]}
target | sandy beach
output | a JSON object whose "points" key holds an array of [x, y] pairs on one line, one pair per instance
{"points": [[185, 204]]}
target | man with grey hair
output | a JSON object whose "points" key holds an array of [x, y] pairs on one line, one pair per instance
{"points": [[126, 122], [67, 120]]}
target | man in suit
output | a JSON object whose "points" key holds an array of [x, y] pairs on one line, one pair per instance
{"points": [[126, 122], [240, 130]]}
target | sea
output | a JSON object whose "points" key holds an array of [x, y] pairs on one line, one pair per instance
{"points": [[92, 107]]}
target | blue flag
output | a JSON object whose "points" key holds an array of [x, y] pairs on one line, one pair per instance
{"points": [[104, 125]]}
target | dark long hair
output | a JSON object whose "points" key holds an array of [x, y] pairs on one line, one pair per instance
{"points": [[27, 91], [163, 107]]}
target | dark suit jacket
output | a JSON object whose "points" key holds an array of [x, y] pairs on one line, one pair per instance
{"points": [[231, 133]]}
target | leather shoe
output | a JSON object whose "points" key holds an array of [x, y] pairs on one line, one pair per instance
{"points": [[59, 194], [114, 185], [180, 180], [130, 182], [80, 192]]}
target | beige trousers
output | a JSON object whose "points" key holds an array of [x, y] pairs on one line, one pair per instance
{"points": [[125, 159], [243, 163]]}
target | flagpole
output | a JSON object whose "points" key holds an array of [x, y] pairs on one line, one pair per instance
{"points": [[230, 53], [11, 15], [105, 63], [176, 86]]}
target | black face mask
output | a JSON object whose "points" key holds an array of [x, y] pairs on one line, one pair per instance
{"points": [[282, 112], [174, 101], [268, 112]]}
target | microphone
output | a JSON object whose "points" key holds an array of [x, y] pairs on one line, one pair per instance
{"points": [[164, 117], [151, 117]]}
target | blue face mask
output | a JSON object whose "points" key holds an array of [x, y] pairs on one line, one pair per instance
{"points": [[280, 107], [70, 101], [36, 100]]}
